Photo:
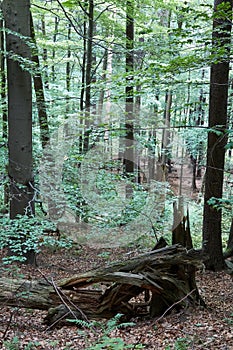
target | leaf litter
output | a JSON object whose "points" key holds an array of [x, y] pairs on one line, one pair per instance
{"points": [[199, 328]]}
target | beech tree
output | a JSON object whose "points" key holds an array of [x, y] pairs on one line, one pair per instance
{"points": [[88, 73], [217, 137], [129, 95], [17, 23], [39, 92]]}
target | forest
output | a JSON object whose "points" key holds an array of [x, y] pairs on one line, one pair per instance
{"points": [[116, 174]]}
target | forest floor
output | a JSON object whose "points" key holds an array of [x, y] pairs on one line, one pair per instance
{"points": [[202, 328], [198, 328]]}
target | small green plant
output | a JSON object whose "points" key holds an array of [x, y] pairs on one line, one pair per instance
{"points": [[24, 234], [12, 271], [109, 343], [14, 344], [180, 344], [54, 344], [104, 255], [229, 320], [106, 341]]}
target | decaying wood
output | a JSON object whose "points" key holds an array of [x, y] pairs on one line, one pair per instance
{"points": [[167, 273]]}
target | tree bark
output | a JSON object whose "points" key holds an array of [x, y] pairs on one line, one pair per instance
{"points": [[4, 105], [229, 251], [167, 273], [56, 22], [68, 68], [82, 91], [129, 158], [3, 83], [217, 138], [102, 91], [17, 19], [39, 91], [88, 75], [181, 226], [194, 171], [166, 149], [45, 54]]}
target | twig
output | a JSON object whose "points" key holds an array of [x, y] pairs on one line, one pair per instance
{"points": [[62, 296], [176, 303], [8, 324], [54, 323], [165, 312]]}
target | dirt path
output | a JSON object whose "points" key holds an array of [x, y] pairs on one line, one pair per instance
{"points": [[181, 176]]}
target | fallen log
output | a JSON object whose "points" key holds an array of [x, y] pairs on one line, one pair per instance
{"points": [[167, 273]]}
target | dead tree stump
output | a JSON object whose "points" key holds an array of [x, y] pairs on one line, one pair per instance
{"points": [[167, 273]]}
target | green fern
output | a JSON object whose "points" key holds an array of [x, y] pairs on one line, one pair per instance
{"points": [[106, 341], [181, 344]]}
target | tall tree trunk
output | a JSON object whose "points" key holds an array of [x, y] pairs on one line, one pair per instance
{"points": [[166, 152], [151, 154], [17, 18], [39, 91], [68, 68], [229, 251], [200, 121], [219, 79], [56, 22], [45, 55], [83, 68], [129, 91], [106, 93], [83, 79], [200, 160], [194, 171], [102, 91], [88, 79], [3, 84], [4, 105]]}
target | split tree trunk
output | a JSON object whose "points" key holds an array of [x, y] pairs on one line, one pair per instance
{"points": [[167, 273]]}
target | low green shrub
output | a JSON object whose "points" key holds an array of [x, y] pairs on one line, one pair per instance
{"points": [[25, 234]]}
